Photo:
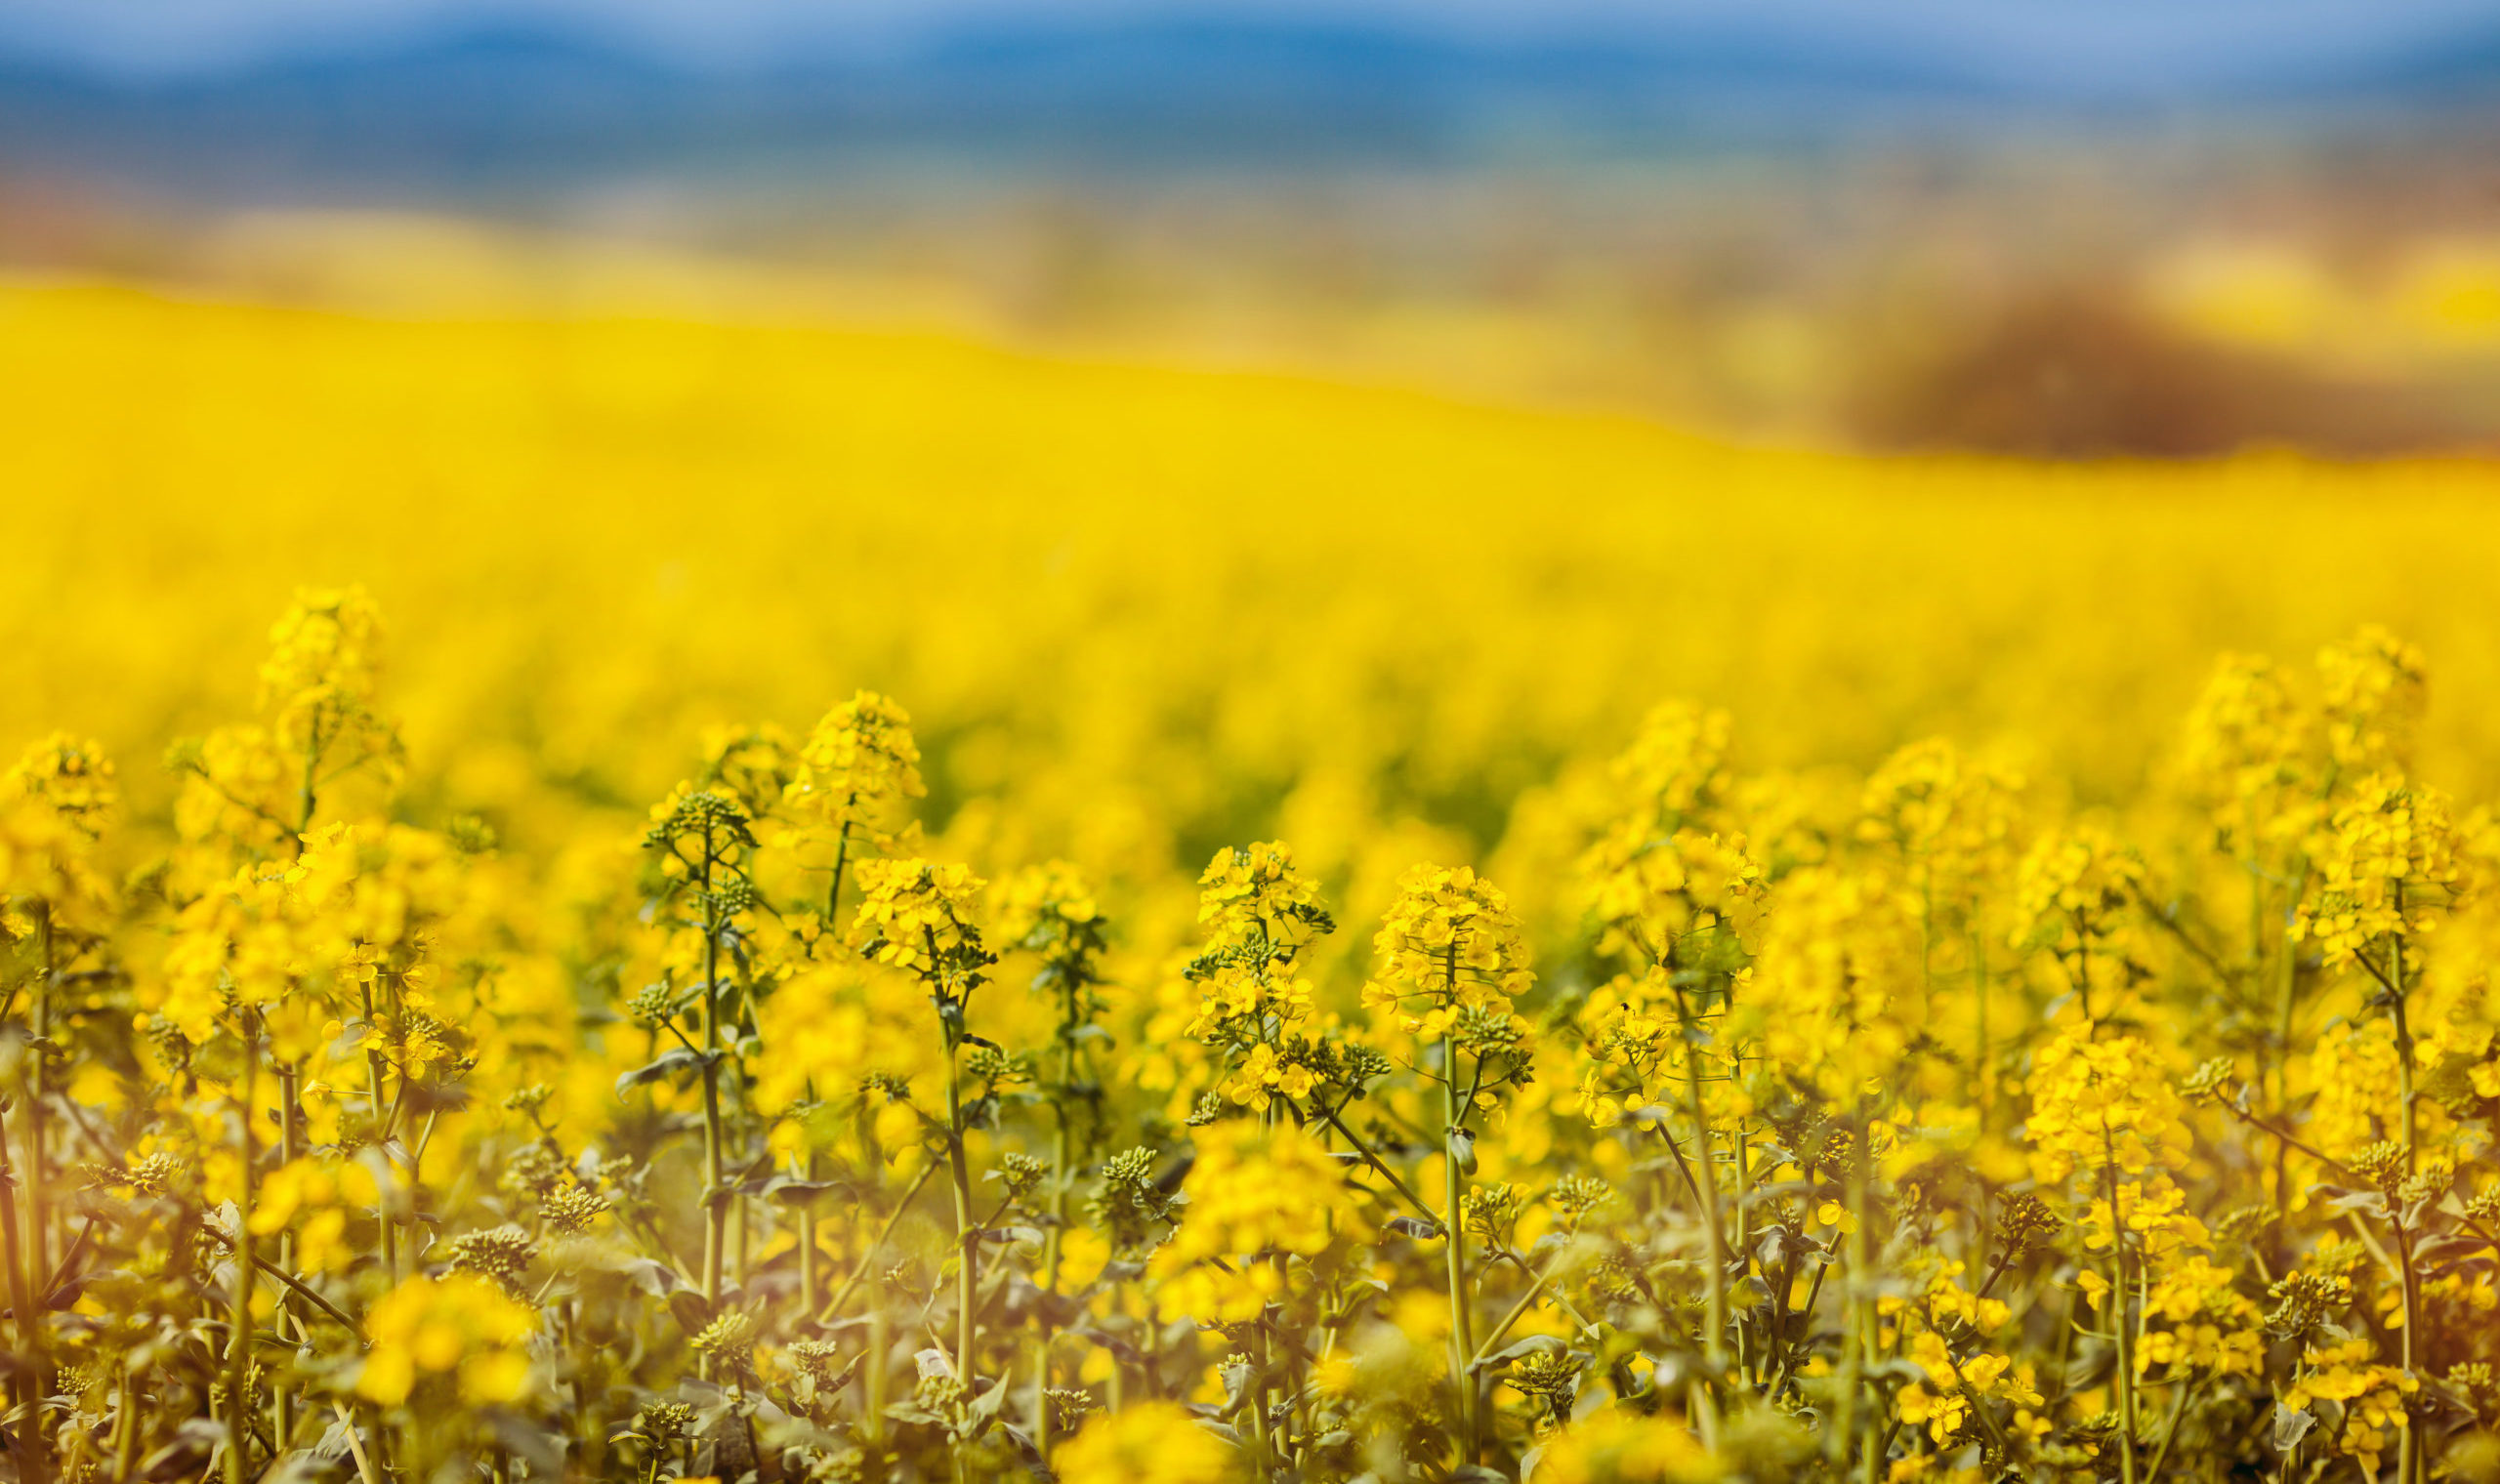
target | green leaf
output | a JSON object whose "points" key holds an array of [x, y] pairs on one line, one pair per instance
{"points": [[986, 1406], [792, 1190], [668, 1063], [1520, 1350]]}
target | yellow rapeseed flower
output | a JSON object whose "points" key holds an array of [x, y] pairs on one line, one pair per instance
{"points": [[461, 1325]]}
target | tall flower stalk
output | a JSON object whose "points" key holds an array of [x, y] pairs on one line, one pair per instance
{"points": [[2390, 866], [1050, 910], [1450, 964], [703, 837], [918, 918]]}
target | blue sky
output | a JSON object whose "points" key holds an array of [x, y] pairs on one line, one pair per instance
{"points": [[2161, 39]]}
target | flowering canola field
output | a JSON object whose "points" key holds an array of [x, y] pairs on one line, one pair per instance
{"points": [[829, 905]]}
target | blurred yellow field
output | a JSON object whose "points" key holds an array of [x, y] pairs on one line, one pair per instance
{"points": [[613, 532], [572, 926]]}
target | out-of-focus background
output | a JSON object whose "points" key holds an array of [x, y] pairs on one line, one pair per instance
{"points": [[1262, 418], [2155, 227]]}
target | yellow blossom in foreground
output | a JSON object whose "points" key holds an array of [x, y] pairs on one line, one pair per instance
{"points": [[1155, 1441], [310, 1201], [1449, 944], [2102, 1103], [857, 767], [1252, 1192], [2390, 862], [1618, 1446], [1254, 894], [2372, 1398], [919, 916], [460, 1325]]}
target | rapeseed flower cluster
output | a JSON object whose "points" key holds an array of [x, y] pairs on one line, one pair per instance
{"points": [[390, 1097], [1772, 1166], [1262, 1201]]}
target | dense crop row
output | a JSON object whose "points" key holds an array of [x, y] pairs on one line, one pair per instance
{"points": [[1880, 1133], [2107, 1092]]}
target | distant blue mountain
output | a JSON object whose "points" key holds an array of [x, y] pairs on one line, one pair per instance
{"points": [[518, 110]]}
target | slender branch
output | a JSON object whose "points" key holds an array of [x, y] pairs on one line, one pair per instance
{"points": [[2170, 1433], [1692, 1185], [297, 1287], [1374, 1160], [2293, 1141], [843, 1294], [1540, 1279], [355, 1445]]}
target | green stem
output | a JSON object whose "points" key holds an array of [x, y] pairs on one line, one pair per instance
{"points": [[1983, 1088], [2083, 977], [967, 1235], [125, 1438], [2118, 1314], [1454, 1229], [841, 861], [1494, 1337], [1263, 1446], [2287, 1006], [383, 1118], [2408, 1453], [1715, 1343], [2170, 1434], [1856, 1290], [850, 1285], [281, 1320], [1060, 1149], [38, 1214], [238, 1348], [808, 1170], [347, 1423], [37, 1376], [1746, 1337], [811, 1167], [879, 1342], [34, 1451], [297, 1287], [716, 1206], [1375, 1161]]}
